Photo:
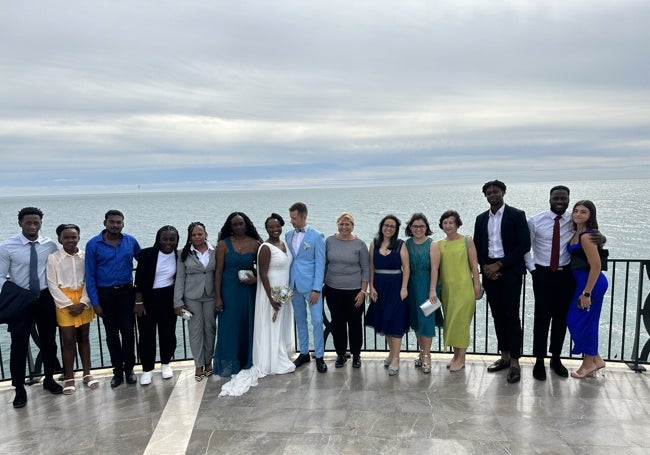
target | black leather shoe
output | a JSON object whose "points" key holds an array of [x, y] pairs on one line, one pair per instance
{"points": [[539, 371], [514, 375], [301, 360], [53, 386], [340, 361], [498, 366], [320, 365], [560, 370], [356, 361], [20, 400], [131, 378], [117, 379]]}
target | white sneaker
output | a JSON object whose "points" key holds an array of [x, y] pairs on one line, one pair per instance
{"points": [[166, 371], [145, 377]]}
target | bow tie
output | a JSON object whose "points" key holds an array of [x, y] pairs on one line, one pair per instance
{"points": [[300, 229]]}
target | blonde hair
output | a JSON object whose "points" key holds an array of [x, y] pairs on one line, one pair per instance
{"points": [[345, 216]]}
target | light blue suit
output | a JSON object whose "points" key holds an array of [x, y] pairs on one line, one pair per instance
{"points": [[306, 275]]}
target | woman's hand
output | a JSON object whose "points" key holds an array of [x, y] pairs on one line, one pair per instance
{"points": [[477, 291], [584, 302], [76, 309], [276, 306], [373, 294], [359, 299], [179, 310], [403, 293], [139, 310], [218, 304]]}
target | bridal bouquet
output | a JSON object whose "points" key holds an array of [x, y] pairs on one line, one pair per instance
{"points": [[282, 295]]}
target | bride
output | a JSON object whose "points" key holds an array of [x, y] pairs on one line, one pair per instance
{"points": [[273, 326]]}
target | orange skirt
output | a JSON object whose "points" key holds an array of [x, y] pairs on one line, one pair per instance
{"points": [[63, 316]]}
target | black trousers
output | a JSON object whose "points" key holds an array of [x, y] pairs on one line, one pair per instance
{"points": [[504, 295], [346, 319], [119, 323], [553, 293], [44, 315], [159, 305]]}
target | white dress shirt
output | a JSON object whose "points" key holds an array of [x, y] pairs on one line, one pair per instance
{"points": [[495, 244], [15, 253], [66, 271], [541, 239]]}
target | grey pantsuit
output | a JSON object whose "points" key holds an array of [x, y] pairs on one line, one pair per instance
{"points": [[202, 329], [194, 288]]}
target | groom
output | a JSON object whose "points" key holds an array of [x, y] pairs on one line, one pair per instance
{"points": [[306, 279]]}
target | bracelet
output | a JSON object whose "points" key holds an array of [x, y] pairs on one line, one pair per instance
{"points": [[139, 303], [363, 292]]}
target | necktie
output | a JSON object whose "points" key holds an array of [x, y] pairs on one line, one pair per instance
{"points": [[555, 245], [34, 282], [300, 229]]}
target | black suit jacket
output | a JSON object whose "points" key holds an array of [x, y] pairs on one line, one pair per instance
{"points": [[514, 235], [145, 272], [16, 307]]}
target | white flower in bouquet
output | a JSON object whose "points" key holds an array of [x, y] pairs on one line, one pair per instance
{"points": [[282, 296]]}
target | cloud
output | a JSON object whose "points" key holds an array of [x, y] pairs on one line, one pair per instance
{"points": [[254, 92]]}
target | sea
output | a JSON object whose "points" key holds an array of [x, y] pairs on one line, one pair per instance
{"points": [[622, 207]]}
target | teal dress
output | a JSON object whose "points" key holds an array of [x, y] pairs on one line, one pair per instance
{"points": [[418, 287], [234, 348]]}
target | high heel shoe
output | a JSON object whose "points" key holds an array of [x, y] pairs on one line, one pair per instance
{"points": [[418, 361], [587, 374], [426, 364], [387, 361], [600, 371], [393, 370]]}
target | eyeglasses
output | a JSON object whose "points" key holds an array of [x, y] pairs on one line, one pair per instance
{"points": [[418, 226], [390, 226]]}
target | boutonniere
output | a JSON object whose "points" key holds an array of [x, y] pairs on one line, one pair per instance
{"points": [[306, 245]]}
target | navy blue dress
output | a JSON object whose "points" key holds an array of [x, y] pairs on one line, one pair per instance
{"points": [[389, 315]]}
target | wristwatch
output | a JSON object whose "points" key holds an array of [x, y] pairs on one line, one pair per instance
{"points": [[586, 294]]}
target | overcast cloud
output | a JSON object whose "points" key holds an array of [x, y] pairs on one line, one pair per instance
{"points": [[255, 94]]}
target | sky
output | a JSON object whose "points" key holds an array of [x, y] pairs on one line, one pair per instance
{"points": [[99, 96]]}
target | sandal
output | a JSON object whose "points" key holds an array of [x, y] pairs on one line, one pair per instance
{"points": [[91, 382], [69, 388], [208, 373], [426, 363], [387, 361], [418, 361], [198, 377]]}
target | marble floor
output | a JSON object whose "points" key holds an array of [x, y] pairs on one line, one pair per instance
{"points": [[345, 411]]}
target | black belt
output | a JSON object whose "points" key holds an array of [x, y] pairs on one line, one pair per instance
{"points": [[117, 286], [545, 267]]}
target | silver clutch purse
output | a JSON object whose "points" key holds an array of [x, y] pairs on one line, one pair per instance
{"points": [[429, 307]]}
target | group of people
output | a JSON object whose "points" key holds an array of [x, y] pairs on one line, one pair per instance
{"points": [[257, 288]]}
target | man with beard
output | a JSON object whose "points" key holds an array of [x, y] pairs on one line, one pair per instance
{"points": [[109, 283]]}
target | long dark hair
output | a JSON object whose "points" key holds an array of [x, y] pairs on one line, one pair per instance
{"points": [[188, 243], [592, 222], [226, 229], [379, 238], [167, 228]]}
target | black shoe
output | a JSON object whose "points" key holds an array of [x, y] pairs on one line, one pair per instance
{"points": [[53, 386], [320, 365], [539, 371], [514, 375], [302, 359], [340, 361], [356, 361], [117, 379], [498, 366], [20, 400], [560, 370], [131, 378]]}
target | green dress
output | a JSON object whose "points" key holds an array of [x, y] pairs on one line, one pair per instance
{"points": [[418, 288], [457, 292]]}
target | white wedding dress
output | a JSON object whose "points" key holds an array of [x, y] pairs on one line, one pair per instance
{"points": [[271, 340]]}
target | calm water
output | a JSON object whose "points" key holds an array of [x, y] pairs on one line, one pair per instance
{"points": [[623, 209]]}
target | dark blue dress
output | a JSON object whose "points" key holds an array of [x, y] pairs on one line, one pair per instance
{"points": [[583, 325], [389, 315], [234, 348]]}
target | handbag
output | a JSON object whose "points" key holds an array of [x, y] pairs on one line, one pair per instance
{"points": [[470, 269], [429, 307], [579, 259]]}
